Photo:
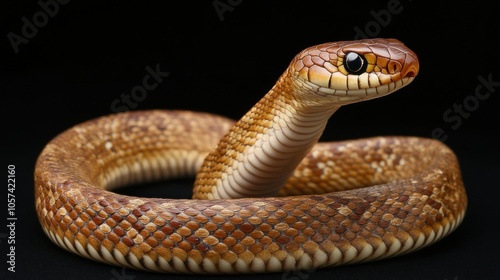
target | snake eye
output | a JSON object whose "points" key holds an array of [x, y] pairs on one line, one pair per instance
{"points": [[355, 63]]}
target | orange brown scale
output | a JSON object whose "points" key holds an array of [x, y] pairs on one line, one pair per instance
{"points": [[392, 194]]}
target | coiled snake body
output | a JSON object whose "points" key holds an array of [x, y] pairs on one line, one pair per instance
{"points": [[266, 196]]}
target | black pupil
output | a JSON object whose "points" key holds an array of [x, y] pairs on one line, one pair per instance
{"points": [[354, 63]]}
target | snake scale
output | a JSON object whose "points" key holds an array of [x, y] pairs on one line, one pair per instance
{"points": [[267, 197]]}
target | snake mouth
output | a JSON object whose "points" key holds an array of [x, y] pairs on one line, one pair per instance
{"points": [[355, 88], [346, 96]]}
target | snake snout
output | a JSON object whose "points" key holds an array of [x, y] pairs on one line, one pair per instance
{"points": [[410, 66]]}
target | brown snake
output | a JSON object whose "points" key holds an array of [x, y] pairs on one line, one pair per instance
{"points": [[347, 202]]}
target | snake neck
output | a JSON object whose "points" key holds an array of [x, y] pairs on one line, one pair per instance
{"points": [[261, 151]]}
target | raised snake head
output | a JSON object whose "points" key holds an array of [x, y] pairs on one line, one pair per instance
{"points": [[352, 71]]}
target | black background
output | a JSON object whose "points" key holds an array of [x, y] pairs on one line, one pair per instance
{"points": [[88, 54]]}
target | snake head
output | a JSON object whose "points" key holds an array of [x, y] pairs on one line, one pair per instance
{"points": [[352, 71]]}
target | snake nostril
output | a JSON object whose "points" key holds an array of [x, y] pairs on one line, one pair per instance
{"points": [[394, 68]]}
